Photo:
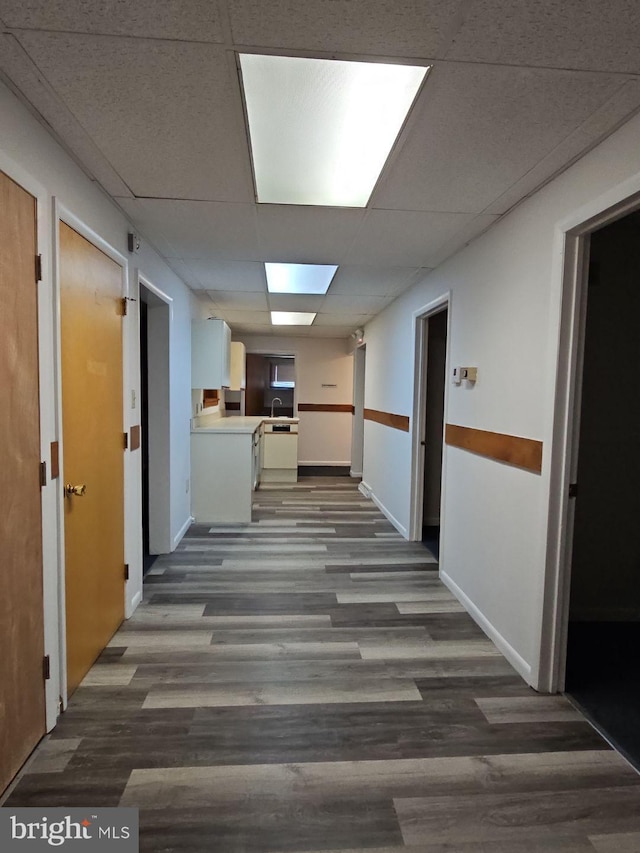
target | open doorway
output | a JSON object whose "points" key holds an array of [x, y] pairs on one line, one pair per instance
{"points": [[357, 436], [155, 408], [431, 324], [604, 601], [270, 385]]}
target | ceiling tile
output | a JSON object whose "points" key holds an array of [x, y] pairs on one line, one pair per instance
{"points": [[477, 130], [468, 232], [165, 114], [295, 302], [401, 28], [372, 281], [253, 317], [599, 125], [583, 34], [239, 301], [205, 230], [351, 320], [196, 20], [403, 238], [223, 275], [356, 304], [56, 116], [312, 235]]}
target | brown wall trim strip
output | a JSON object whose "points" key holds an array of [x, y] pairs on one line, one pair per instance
{"points": [[523, 452], [326, 407], [55, 460], [387, 419], [134, 437]]}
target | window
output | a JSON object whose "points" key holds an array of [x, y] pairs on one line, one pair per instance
{"points": [[282, 374]]}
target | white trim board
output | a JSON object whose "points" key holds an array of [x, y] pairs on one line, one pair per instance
{"points": [[516, 660], [368, 493], [180, 534]]}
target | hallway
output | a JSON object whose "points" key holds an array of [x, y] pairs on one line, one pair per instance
{"points": [[306, 683]]}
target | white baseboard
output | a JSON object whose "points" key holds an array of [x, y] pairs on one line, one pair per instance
{"points": [[133, 604], [516, 660], [368, 493], [355, 473], [324, 464], [182, 531]]}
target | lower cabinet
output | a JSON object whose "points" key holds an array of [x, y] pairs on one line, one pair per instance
{"points": [[221, 476]]}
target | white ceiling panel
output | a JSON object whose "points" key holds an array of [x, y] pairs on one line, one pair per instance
{"points": [[225, 275], [401, 28], [356, 304], [468, 232], [478, 129], [311, 235], [295, 302], [205, 230], [586, 34], [184, 20], [374, 281], [239, 301], [403, 238], [253, 317], [19, 68], [352, 320], [624, 103], [146, 103]]}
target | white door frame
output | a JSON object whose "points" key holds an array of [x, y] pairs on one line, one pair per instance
{"points": [[419, 418], [571, 271]]}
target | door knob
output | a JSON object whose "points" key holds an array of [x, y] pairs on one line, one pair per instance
{"points": [[70, 490]]}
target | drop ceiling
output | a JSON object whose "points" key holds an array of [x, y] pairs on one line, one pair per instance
{"points": [[146, 96]]}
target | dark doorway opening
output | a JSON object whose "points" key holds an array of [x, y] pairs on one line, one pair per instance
{"points": [[435, 370], [602, 674], [148, 559]]}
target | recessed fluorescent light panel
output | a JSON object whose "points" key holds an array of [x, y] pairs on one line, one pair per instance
{"points": [[292, 318], [322, 129], [299, 278]]}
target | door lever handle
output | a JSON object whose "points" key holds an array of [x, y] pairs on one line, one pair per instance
{"points": [[70, 490]]}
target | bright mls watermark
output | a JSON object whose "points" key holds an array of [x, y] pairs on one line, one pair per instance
{"points": [[63, 829]]}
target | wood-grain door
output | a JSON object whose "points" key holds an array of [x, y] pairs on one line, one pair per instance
{"points": [[91, 345], [22, 695]]}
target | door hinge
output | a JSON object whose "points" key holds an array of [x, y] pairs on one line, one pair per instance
{"points": [[46, 667], [573, 490], [126, 571], [43, 474], [125, 439], [38, 268]]}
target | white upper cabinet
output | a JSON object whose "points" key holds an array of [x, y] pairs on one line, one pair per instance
{"points": [[210, 354], [238, 367]]}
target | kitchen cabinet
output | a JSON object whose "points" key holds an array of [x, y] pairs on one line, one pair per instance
{"points": [[223, 471], [210, 354], [279, 451], [238, 367]]}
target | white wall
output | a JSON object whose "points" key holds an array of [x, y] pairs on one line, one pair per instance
{"points": [[32, 157], [505, 311], [325, 437]]}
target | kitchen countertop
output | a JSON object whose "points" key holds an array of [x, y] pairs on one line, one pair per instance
{"points": [[241, 424]]}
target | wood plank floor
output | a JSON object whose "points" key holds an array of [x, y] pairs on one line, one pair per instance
{"points": [[306, 683]]}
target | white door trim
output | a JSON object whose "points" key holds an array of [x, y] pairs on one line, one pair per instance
{"points": [[571, 269]]}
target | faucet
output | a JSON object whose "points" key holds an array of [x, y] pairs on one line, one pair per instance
{"points": [[273, 402]]}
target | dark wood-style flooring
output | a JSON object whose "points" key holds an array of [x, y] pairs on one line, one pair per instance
{"points": [[306, 683]]}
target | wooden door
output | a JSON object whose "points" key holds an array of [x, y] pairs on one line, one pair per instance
{"points": [[91, 344], [22, 697]]}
